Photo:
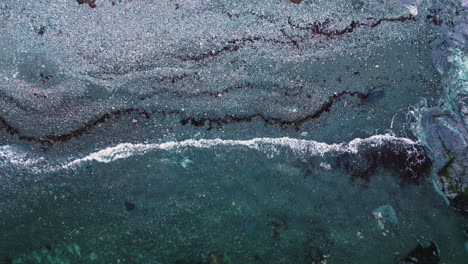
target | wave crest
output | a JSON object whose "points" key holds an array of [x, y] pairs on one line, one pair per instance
{"points": [[15, 156]]}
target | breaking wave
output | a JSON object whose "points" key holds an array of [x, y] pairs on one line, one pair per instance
{"points": [[18, 157]]}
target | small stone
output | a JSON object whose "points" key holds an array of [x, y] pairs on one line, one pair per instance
{"points": [[89, 2], [215, 258], [129, 206]]}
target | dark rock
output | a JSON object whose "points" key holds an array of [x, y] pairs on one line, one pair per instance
{"points": [[423, 255], [410, 162], [446, 135], [91, 3], [41, 30], [460, 201], [129, 206]]}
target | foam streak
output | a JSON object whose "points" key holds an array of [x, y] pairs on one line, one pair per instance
{"points": [[11, 155]]}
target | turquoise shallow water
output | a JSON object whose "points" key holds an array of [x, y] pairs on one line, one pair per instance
{"points": [[250, 202], [209, 132], [171, 206]]}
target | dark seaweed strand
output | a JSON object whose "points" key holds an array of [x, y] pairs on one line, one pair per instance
{"points": [[86, 128], [201, 121], [89, 125], [319, 28], [9, 129], [316, 28], [232, 46]]}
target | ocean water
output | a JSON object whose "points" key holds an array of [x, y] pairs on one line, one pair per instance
{"points": [[209, 132]]}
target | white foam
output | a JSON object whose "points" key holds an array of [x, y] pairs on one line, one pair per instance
{"points": [[267, 145], [10, 155], [14, 156]]}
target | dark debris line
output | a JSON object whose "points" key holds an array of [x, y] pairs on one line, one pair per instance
{"points": [[50, 139], [92, 3], [296, 123], [316, 28], [197, 122]]}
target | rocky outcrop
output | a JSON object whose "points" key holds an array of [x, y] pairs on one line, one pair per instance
{"points": [[446, 135], [444, 128]]}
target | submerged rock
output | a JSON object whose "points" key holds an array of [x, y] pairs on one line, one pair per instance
{"points": [[129, 206], [422, 255], [385, 214], [409, 161], [217, 258], [375, 94]]}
